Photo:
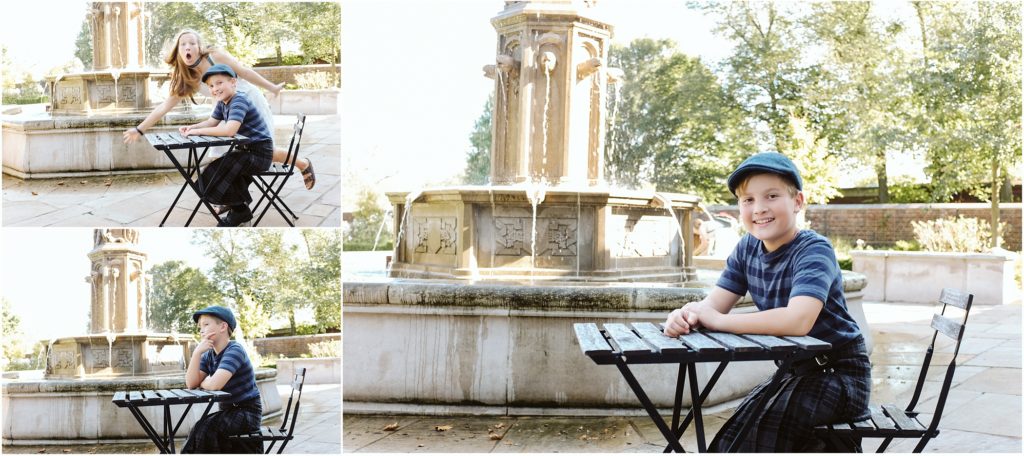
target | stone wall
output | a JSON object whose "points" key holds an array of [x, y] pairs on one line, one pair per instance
{"points": [[291, 346], [884, 224], [279, 74]]}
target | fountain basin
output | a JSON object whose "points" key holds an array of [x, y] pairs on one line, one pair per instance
{"points": [[496, 348], [538, 233], [39, 145], [81, 411], [121, 355]]}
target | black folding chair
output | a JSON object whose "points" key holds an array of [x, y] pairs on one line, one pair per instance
{"points": [[278, 175], [895, 422], [286, 432]]}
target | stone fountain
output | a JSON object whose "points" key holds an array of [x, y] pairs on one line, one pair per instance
{"points": [[72, 402], [548, 213], [476, 316], [81, 132]]}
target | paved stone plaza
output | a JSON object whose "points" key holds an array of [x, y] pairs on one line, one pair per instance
{"points": [[143, 199], [318, 430], [983, 411]]}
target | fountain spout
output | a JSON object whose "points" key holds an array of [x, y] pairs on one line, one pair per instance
{"points": [[587, 68], [547, 60]]}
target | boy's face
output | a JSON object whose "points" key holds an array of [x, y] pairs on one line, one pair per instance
{"points": [[222, 86], [211, 327], [767, 209]]}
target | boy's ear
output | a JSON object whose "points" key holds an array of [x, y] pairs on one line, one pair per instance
{"points": [[799, 201]]}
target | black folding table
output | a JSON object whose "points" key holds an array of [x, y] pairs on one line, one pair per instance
{"points": [[166, 398], [644, 343], [169, 142]]}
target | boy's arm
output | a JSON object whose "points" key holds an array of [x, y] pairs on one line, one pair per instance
{"points": [[194, 376], [796, 319], [684, 319], [228, 128], [217, 380]]}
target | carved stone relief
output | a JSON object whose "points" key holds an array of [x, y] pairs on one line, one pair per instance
{"points": [[643, 238], [70, 95], [100, 358], [64, 359], [556, 237], [435, 235]]}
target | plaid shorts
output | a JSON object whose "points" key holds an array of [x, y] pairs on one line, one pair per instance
{"points": [[226, 180], [211, 434], [786, 425]]}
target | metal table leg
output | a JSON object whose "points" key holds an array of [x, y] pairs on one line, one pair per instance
{"points": [[649, 406], [148, 428]]}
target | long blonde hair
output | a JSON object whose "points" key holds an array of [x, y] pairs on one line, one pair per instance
{"points": [[185, 80]]}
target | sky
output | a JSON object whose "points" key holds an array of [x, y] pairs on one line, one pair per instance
{"points": [[21, 22], [44, 273], [412, 83]]}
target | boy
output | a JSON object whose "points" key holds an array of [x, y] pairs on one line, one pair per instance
{"points": [[795, 282], [226, 180], [218, 363]]}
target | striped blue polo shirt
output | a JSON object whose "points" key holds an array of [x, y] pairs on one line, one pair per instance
{"points": [[240, 108], [806, 266], [242, 384]]}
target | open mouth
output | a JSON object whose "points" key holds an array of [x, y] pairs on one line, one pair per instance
{"points": [[764, 221], [188, 56]]}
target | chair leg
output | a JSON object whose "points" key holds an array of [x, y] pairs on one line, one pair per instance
{"points": [[283, 443], [920, 445], [271, 447], [884, 445]]}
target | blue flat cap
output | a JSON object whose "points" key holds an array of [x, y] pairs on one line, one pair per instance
{"points": [[766, 162], [220, 312], [219, 68]]}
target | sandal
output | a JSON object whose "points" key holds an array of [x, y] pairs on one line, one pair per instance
{"points": [[308, 176]]}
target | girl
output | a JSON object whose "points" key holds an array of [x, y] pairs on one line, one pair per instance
{"points": [[189, 59]]}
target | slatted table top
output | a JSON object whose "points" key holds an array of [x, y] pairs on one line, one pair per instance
{"points": [[167, 397], [644, 343], [175, 140]]}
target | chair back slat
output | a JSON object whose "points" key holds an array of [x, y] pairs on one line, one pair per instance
{"points": [[947, 326], [956, 298]]}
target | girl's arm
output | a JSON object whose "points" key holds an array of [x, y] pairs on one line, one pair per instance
{"points": [[245, 72], [131, 135]]}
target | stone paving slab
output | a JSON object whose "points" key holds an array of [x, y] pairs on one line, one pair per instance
{"points": [[982, 413], [317, 430], [143, 199]]}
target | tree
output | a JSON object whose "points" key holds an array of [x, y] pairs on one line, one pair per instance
{"points": [[321, 275], [319, 30], [478, 159], [83, 45], [177, 291], [860, 97], [968, 92], [368, 220], [235, 275], [11, 332], [671, 122]]}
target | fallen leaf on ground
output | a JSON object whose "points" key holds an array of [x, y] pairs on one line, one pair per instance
{"points": [[494, 436], [391, 427], [443, 428], [41, 451], [107, 183], [419, 446], [60, 183], [499, 425], [83, 182], [67, 450], [35, 194]]}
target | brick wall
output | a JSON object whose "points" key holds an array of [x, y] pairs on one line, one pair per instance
{"points": [[290, 346], [279, 74], [884, 224]]}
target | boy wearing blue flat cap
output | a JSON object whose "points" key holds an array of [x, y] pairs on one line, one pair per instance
{"points": [[219, 363], [226, 180], [795, 282]]}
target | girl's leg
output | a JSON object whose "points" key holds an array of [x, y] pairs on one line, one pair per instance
{"points": [[281, 154]]}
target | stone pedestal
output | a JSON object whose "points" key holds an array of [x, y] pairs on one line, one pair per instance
{"points": [[108, 92], [123, 355]]}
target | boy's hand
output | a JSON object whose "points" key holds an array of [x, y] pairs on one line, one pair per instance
{"points": [[681, 321], [205, 343], [184, 129]]}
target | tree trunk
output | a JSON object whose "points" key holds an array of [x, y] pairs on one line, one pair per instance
{"points": [[280, 61], [997, 240], [881, 172], [291, 320]]}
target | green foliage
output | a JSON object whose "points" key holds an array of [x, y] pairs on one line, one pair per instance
{"points": [[318, 80], [176, 292], [325, 349], [11, 335], [368, 223], [909, 192], [321, 276], [478, 158], [83, 45], [954, 234], [249, 30], [907, 246], [842, 247], [671, 123]]}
